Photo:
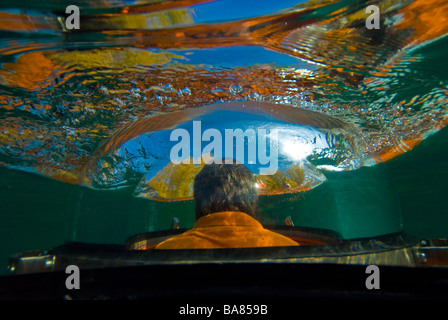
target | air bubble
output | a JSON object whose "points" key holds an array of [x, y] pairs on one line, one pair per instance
{"points": [[235, 89], [183, 92]]}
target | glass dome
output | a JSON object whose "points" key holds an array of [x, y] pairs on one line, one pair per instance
{"points": [[320, 175]]}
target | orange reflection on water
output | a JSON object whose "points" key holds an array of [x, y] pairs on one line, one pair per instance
{"points": [[31, 71], [428, 18]]}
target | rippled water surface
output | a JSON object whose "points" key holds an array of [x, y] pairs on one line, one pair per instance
{"points": [[64, 92]]}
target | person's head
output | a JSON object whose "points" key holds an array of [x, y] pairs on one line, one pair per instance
{"points": [[225, 187]]}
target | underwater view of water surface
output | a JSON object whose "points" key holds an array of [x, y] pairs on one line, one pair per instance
{"points": [[83, 114]]}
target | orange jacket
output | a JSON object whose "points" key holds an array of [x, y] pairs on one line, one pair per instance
{"points": [[226, 230]]}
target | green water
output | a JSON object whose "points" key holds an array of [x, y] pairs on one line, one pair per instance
{"points": [[387, 83], [39, 213]]}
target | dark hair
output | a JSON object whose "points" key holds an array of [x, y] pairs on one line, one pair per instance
{"points": [[225, 187]]}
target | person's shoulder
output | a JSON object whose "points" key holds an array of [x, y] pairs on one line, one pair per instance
{"points": [[188, 240], [172, 243]]}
